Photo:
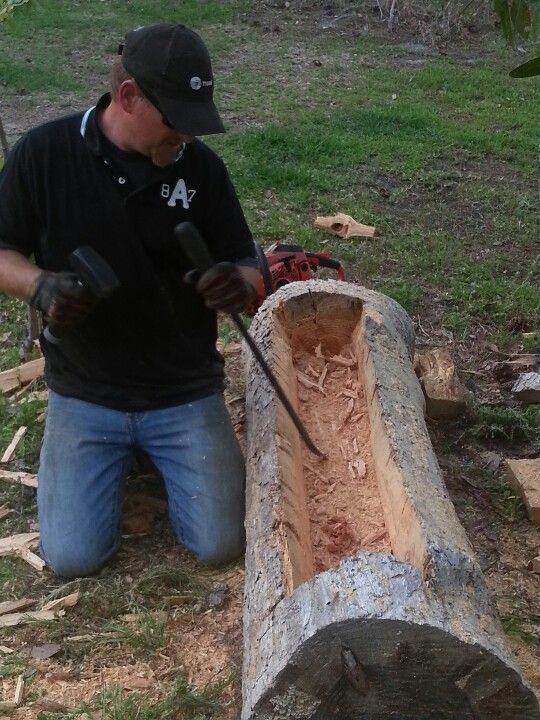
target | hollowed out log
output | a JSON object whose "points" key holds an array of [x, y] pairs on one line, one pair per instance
{"points": [[363, 596]]}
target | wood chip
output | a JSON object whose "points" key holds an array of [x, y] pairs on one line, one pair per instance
{"points": [[524, 475], [9, 545], [31, 558], [11, 606], [20, 478], [527, 388], [137, 683], [360, 467], [322, 378], [306, 382], [343, 361], [52, 706], [347, 415], [311, 371], [62, 603], [318, 351], [14, 378], [19, 690], [10, 450], [6, 650], [4, 511], [355, 446], [25, 617], [43, 652]]}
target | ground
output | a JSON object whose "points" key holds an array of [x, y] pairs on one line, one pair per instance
{"points": [[425, 137]]}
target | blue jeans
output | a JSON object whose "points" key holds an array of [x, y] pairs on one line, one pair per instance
{"points": [[87, 453]]}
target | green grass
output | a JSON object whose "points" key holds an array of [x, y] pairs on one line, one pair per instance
{"points": [[145, 636], [182, 703], [506, 424], [46, 46]]}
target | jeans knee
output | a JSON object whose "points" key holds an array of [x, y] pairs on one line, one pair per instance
{"points": [[69, 564], [223, 553]]}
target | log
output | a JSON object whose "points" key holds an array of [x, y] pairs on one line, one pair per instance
{"points": [[386, 618], [446, 397], [524, 476]]}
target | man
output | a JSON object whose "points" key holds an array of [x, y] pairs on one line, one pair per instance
{"points": [[139, 369]]}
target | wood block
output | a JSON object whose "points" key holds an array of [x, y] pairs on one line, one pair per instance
{"points": [[527, 387], [524, 476], [445, 395], [14, 378]]}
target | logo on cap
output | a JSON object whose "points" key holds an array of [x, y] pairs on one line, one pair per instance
{"points": [[196, 83]]}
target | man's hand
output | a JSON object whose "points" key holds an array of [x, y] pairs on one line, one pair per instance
{"points": [[224, 288], [62, 299]]}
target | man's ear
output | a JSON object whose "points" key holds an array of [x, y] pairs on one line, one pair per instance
{"points": [[128, 96]]}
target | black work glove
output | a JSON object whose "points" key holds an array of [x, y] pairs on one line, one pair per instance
{"points": [[224, 288], [62, 299]]}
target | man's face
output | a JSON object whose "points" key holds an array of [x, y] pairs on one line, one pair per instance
{"points": [[153, 138]]}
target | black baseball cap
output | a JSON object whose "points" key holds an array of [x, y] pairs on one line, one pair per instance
{"points": [[172, 67]]}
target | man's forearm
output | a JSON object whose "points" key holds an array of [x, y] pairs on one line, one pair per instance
{"points": [[17, 274]]}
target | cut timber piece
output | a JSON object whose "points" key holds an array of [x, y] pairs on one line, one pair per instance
{"points": [[525, 478], [14, 378], [401, 628], [344, 226], [20, 478], [445, 395], [8, 454], [527, 387]]}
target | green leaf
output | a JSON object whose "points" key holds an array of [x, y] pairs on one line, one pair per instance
{"points": [[528, 69]]}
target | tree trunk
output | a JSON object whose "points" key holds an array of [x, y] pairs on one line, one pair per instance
{"points": [[363, 597]]}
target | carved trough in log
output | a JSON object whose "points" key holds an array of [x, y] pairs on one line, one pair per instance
{"points": [[363, 597]]}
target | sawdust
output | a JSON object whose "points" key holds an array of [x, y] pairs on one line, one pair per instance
{"points": [[205, 648], [344, 506]]}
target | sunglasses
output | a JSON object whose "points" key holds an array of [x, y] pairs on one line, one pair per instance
{"points": [[149, 96]]}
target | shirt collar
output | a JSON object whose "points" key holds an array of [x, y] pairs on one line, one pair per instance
{"points": [[89, 126]]}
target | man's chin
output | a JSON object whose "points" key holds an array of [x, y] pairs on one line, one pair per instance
{"points": [[165, 155]]}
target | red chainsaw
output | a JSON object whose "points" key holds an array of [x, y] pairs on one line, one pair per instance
{"points": [[282, 264]]}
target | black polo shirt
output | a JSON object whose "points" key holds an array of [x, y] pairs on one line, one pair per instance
{"points": [[153, 343]]}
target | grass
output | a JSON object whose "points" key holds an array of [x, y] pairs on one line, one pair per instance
{"points": [[506, 424], [182, 703], [440, 156]]}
